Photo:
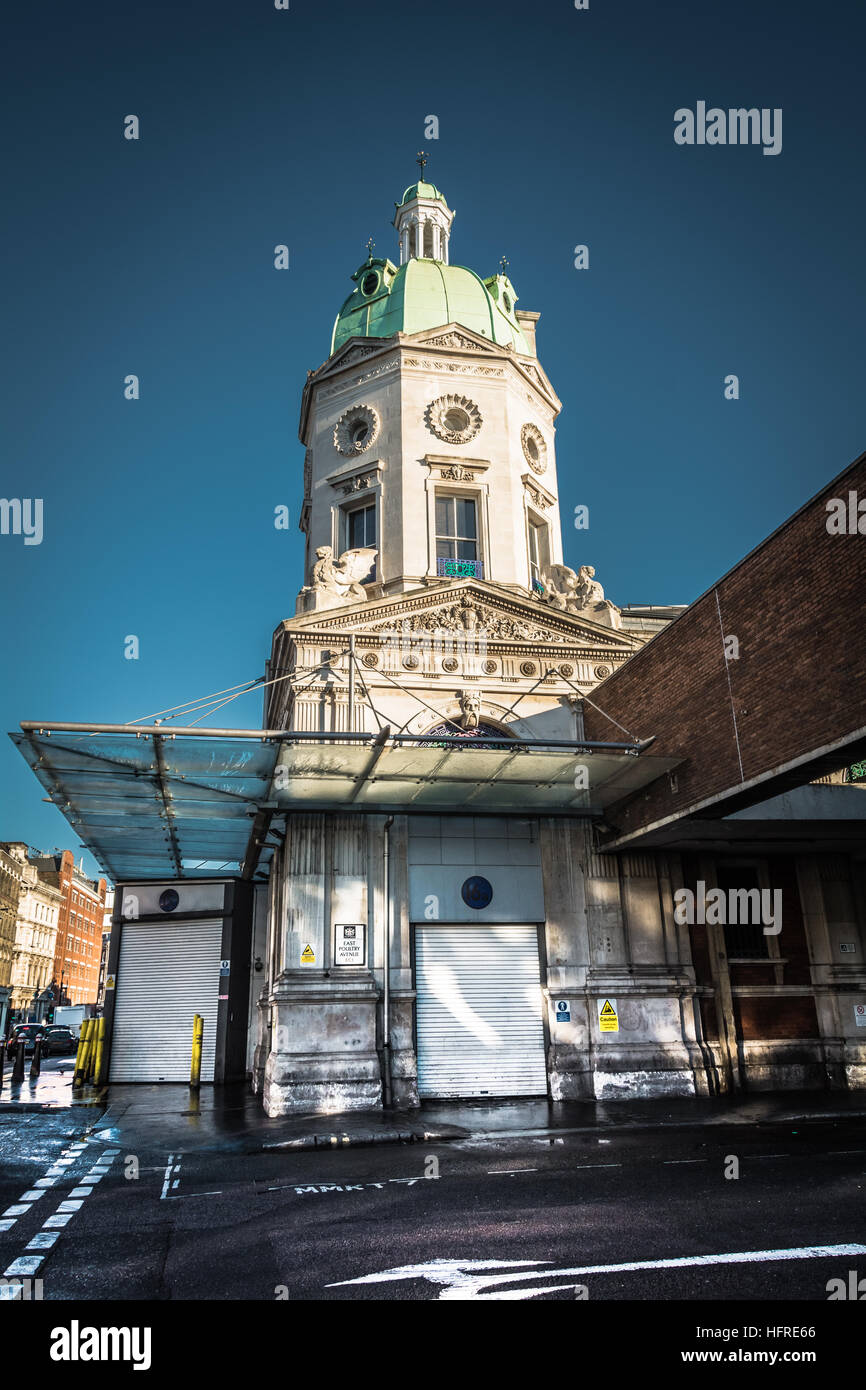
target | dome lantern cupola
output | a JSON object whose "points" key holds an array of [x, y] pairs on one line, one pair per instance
{"points": [[423, 221]]}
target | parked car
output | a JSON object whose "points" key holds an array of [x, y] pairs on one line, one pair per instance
{"points": [[28, 1032], [56, 1041]]}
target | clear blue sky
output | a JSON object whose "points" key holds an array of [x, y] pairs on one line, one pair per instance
{"points": [[261, 126]]}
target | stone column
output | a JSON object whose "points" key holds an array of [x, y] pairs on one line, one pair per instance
{"points": [[419, 238], [323, 1054], [722, 985], [404, 244]]}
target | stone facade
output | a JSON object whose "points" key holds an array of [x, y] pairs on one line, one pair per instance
{"points": [[516, 645], [35, 938], [11, 889]]}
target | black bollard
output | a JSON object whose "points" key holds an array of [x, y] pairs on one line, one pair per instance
{"points": [[2, 1061], [18, 1065], [36, 1064]]}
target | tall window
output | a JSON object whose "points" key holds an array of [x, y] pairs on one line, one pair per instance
{"points": [[360, 532], [456, 528], [744, 940], [539, 549]]}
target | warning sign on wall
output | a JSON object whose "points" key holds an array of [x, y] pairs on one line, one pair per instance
{"points": [[308, 956], [860, 1015], [608, 1018]]}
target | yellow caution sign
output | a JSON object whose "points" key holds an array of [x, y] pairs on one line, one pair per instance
{"points": [[308, 956], [608, 1018]]}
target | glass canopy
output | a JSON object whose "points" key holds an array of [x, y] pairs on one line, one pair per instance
{"points": [[157, 803]]}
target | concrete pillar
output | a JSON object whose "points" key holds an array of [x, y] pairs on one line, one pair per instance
{"points": [[722, 985], [419, 238], [324, 1055]]}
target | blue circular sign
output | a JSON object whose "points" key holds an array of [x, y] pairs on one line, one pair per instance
{"points": [[169, 900], [477, 892]]}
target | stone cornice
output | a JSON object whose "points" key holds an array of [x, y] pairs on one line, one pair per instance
{"points": [[551, 625]]}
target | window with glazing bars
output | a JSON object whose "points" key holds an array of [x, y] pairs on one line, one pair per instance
{"points": [[456, 528]]}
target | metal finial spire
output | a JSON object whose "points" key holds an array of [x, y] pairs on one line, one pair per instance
{"points": [[421, 160], [370, 244], [503, 262]]}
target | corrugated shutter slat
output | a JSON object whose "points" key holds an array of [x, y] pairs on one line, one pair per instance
{"points": [[479, 1011], [165, 975]]}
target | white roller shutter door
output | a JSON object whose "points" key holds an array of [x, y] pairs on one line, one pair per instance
{"points": [[479, 1011], [165, 975]]}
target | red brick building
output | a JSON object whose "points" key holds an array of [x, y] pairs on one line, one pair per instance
{"points": [[79, 931]]}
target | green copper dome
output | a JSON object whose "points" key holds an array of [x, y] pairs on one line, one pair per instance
{"points": [[421, 190], [428, 294]]}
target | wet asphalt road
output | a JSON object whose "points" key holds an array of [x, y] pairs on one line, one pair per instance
{"points": [[213, 1224]]}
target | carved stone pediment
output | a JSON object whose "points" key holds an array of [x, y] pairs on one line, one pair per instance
{"points": [[456, 338], [469, 608]]}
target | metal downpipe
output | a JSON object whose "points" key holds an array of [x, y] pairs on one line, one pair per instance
{"points": [[387, 1086]]}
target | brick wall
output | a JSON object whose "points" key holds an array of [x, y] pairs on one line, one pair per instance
{"points": [[796, 605]]}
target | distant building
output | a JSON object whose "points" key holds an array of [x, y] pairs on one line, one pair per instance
{"points": [[106, 943], [11, 885], [35, 932], [78, 949]]}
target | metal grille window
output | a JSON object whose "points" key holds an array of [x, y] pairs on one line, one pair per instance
{"points": [[456, 528], [744, 938]]}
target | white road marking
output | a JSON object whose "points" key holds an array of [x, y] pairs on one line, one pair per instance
{"points": [[302, 1188], [183, 1196], [508, 1172], [25, 1264], [671, 1162], [463, 1279], [17, 1210], [579, 1166], [70, 1206], [33, 1195], [43, 1240], [56, 1221], [7, 1225], [81, 1191], [171, 1167]]}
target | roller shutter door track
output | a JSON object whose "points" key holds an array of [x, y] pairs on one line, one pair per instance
{"points": [[479, 1011], [165, 975]]}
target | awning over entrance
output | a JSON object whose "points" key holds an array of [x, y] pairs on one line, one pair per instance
{"points": [[155, 803]]}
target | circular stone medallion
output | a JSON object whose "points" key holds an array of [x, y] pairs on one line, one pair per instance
{"points": [[356, 430], [454, 419], [534, 448]]}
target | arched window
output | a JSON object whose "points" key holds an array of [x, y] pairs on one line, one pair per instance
{"points": [[485, 731], [428, 240]]}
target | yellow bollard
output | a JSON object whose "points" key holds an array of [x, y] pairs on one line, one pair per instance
{"points": [[81, 1055], [100, 1051], [197, 1035]]}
